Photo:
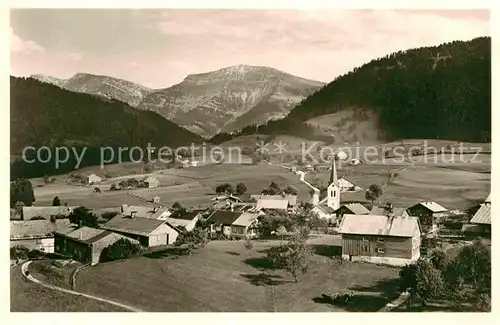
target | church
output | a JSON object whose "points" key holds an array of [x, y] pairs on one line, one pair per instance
{"points": [[327, 206]]}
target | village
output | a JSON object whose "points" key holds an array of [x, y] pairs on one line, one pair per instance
{"points": [[52, 244]]}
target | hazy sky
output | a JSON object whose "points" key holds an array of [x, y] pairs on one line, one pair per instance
{"points": [[158, 48]]}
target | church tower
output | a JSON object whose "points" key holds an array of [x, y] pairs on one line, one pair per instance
{"points": [[333, 190]]}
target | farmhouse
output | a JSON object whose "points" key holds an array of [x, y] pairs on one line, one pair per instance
{"points": [[152, 211], [389, 210], [324, 212], [231, 223], [380, 239], [149, 232], [152, 182], [428, 212], [348, 185], [45, 212], [36, 234], [292, 199], [187, 220], [351, 208], [84, 244], [480, 224], [93, 179]]}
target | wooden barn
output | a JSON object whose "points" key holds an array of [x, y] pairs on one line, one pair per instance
{"points": [[429, 213], [380, 239]]}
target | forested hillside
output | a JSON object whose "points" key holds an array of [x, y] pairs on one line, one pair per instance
{"points": [[432, 92], [46, 115]]}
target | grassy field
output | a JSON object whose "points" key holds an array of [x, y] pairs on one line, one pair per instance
{"points": [[224, 276], [26, 296]]}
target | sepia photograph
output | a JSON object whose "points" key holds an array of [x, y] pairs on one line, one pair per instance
{"points": [[250, 160]]}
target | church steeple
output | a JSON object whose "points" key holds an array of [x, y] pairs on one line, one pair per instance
{"points": [[333, 173]]}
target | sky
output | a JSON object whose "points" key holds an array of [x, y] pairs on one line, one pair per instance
{"points": [[159, 48]]}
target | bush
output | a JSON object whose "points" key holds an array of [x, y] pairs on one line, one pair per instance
{"points": [[19, 252], [121, 249]]}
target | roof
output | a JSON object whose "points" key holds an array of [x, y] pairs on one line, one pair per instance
{"points": [[84, 235], [225, 217], [367, 224], [186, 216], [245, 219], [432, 206], [397, 212], [350, 181], [272, 204], [483, 215], [151, 179], [94, 176], [144, 211], [226, 197], [325, 208], [46, 212], [135, 226], [36, 228], [488, 198], [355, 208], [292, 199]]}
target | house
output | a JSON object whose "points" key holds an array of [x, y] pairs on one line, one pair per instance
{"points": [[152, 182], [152, 212], [355, 162], [272, 204], [187, 220], [84, 244], [380, 239], [36, 234], [348, 185], [480, 224], [292, 199], [351, 208], [194, 163], [324, 212], [45, 212], [429, 213], [149, 232], [232, 223], [389, 210], [93, 179]]}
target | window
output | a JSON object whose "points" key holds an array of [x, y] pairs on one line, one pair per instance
{"points": [[380, 250], [381, 240]]}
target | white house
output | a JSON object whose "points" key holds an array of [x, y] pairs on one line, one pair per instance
{"points": [[187, 220], [152, 182], [93, 179], [36, 234], [348, 186]]}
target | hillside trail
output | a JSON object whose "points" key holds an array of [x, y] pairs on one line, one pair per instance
{"points": [[24, 269]]}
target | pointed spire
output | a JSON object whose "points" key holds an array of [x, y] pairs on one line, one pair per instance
{"points": [[333, 173]]}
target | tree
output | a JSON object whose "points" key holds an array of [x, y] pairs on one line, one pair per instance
{"points": [[83, 216], [113, 187], [373, 193], [21, 190], [192, 239], [281, 232], [292, 190], [177, 206], [241, 188], [224, 188], [56, 202], [121, 249], [293, 257], [97, 190], [439, 259], [256, 158], [421, 280]]}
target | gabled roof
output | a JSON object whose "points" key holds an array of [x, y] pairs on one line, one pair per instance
{"points": [[150, 179], [224, 217], [396, 212], [272, 204], [227, 197], [36, 228], [136, 225], [292, 199], [355, 208], [143, 211], [488, 198], [350, 181], [84, 235], [46, 212], [245, 219], [324, 208], [483, 215], [432, 206], [368, 224]]}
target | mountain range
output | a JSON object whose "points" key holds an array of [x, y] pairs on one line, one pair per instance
{"points": [[218, 101]]}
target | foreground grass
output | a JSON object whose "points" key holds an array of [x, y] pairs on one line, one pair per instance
{"points": [[26, 296], [225, 276]]}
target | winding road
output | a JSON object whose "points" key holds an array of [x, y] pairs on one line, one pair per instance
{"points": [[24, 270]]}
